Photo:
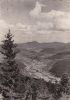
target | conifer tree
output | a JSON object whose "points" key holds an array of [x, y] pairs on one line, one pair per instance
{"points": [[10, 70], [65, 83]]}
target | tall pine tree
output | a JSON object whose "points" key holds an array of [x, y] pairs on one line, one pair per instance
{"points": [[10, 70]]}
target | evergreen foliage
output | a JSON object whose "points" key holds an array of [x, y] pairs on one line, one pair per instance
{"points": [[65, 83], [10, 70]]}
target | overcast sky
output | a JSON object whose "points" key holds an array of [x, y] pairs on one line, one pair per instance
{"points": [[36, 20]]}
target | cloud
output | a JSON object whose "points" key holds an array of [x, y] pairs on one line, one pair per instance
{"points": [[37, 32], [4, 26], [21, 32], [36, 10], [46, 26], [59, 19], [52, 20]]}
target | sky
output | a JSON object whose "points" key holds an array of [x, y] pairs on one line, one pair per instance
{"points": [[35, 20]]}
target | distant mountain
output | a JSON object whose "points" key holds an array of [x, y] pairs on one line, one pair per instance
{"points": [[35, 58], [50, 54], [39, 46], [60, 67], [60, 55]]}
